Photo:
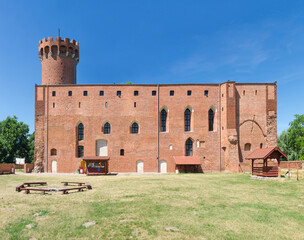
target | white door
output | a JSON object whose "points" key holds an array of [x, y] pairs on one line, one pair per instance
{"points": [[140, 166], [163, 167], [101, 148], [54, 166]]}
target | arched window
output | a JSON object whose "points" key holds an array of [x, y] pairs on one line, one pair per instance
{"points": [[247, 147], [189, 147], [80, 132], [107, 128], [211, 119], [163, 118], [53, 152], [134, 128], [187, 120]]}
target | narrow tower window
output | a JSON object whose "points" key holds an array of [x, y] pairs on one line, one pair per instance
{"points": [[189, 93], [134, 128], [153, 93], [206, 93], [122, 152], [189, 147], [163, 116], [211, 119], [171, 93], [85, 93], [80, 132], [187, 120], [101, 93], [80, 151], [54, 94], [107, 128], [118, 93], [135, 93], [70, 93]]}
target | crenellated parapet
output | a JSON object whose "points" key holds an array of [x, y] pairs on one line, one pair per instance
{"points": [[59, 59], [59, 47]]}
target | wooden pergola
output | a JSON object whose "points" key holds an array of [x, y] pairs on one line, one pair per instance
{"points": [[263, 164]]}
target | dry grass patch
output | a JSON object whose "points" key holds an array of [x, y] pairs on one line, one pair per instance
{"points": [[185, 206]]}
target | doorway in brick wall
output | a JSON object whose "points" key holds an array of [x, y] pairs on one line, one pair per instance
{"points": [[101, 148], [54, 166]]}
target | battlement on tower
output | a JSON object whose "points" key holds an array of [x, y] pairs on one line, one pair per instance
{"points": [[59, 58], [58, 48]]}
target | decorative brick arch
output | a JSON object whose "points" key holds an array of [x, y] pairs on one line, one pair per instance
{"points": [[253, 121]]}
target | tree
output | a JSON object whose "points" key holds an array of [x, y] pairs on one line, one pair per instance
{"points": [[284, 146], [14, 141], [296, 135], [291, 142]]}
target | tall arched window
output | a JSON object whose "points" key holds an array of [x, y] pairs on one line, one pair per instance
{"points": [[189, 147], [187, 120], [80, 132], [134, 128], [163, 117], [107, 128], [211, 119]]}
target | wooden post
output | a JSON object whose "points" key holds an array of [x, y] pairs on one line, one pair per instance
{"points": [[289, 170], [297, 172]]}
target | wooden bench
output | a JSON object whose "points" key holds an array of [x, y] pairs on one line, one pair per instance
{"points": [[18, 188], [27, 190], [66, 190], [88, 185], [29, 184], [72, 183]]}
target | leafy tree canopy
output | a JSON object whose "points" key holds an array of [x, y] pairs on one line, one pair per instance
{"points": [[15, 141], [291, 142]]}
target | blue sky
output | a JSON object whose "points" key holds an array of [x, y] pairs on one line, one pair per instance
{"points": [[157, 42]]}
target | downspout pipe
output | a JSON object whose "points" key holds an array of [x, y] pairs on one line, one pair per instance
{"points": [[220, 130], [47, 126], [158, 169]]}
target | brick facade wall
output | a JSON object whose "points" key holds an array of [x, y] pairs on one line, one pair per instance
{"points": [[292, 164], [7, 167], [242, 122]]}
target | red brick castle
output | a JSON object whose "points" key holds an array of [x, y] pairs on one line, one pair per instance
{"points": [[145, 127]]}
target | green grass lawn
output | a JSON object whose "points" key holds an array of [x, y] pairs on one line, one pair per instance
{"points": [[199, 206]]}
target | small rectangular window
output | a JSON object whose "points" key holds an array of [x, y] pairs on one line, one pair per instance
{"points": [[54, 93], [244, 92], [53, 105], [206, 93], [135, 93], [79, 104], [256, 92], [85, 93], [171, 93], [119, 93], [106, 104], [153, 93], [189, 92], [80, 151], [122, 152], [101, 93], [70, 93], [135, 104]]}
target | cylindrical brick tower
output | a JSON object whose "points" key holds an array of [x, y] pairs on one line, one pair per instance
{"points": [[59, 60]]}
